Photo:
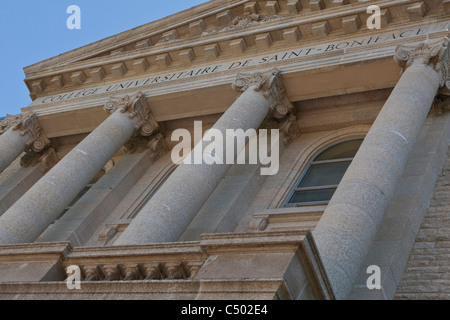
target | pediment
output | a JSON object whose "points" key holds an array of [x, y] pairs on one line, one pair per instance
{"points": [[218, 29]]}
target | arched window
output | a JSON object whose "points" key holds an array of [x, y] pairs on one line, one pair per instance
{"points": [[320, 180]]}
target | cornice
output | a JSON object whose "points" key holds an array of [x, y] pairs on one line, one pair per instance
{"points": [[174, 54]]}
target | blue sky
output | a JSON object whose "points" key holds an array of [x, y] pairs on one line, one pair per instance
{"points": [[32, 31]]}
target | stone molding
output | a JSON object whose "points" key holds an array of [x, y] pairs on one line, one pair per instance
{"points": [[27, 124], [137, 271], [166, 262], [434, 53], [137, 107]]}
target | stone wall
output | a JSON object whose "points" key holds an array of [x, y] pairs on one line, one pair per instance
{"points": [[427, 275]]}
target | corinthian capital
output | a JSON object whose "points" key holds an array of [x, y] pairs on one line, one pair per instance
{"points": [[26, 124], [137, 107], [434, 53], [270, 83], [9, 122]]}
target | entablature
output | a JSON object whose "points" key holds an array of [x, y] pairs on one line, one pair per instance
{"points": [[308, 73]]}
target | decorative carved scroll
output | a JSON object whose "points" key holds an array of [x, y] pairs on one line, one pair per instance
{"points": [[281, 115], [137, 107], [47, 159], [434, 53], [141, 271], [270, 83], [156, 144], [27, 124]]}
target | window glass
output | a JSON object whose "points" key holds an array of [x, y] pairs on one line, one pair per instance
{"points": [[324, 174], [342, 150], [312, 195]]}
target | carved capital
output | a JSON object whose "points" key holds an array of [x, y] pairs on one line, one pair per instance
{"points": [[155, 143], [441, 104], [47, 159], [27, 124], [270, 83], [434, 53], [137, 107], [290, 129], [9, 122]]}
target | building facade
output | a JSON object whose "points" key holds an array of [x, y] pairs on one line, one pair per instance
{"points": [[353, 204]]}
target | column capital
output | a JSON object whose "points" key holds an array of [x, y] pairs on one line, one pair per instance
{"points": [[271, 85], [7, 123], [137, 107], [156, 144], [26, 124], [47, 159], [432, 53]]}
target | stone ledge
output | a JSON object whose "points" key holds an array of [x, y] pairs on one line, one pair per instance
{"points": [[41, 251], [299, 218], [191, 264], [264, 289]]}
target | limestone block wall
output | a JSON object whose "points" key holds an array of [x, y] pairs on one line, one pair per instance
{"points": [[427, 275]]}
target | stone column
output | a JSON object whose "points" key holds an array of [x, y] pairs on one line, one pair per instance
{"points": [[43, 203], [349, 224], [18, 134], [179, 199]]}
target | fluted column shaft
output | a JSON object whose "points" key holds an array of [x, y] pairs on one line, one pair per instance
{"points": [[349, 224], [179, 199], [45, 201], [20, 132]]}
